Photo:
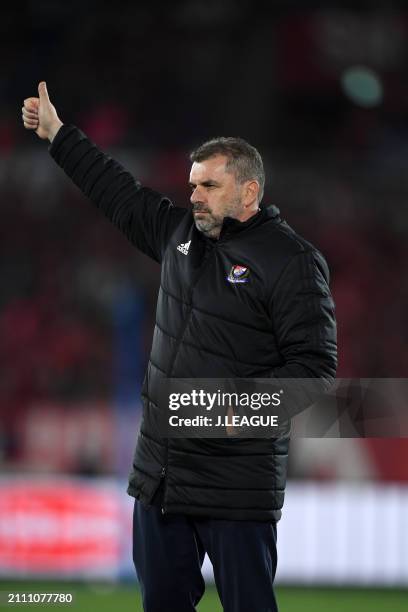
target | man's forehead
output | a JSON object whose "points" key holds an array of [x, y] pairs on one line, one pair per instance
{"points": [[213, 167]]}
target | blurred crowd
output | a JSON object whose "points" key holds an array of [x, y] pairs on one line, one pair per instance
{"points": [[158, 80]]}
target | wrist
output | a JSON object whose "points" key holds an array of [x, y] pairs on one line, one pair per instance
{"points": [[52, 132]]}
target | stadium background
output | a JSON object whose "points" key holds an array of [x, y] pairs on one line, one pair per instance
{"points": [[323, 95]]}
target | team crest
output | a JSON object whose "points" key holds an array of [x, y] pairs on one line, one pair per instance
{"points": [[238, 274]]}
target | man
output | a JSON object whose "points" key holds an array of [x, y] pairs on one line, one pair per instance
{"points": [[221, 496]]}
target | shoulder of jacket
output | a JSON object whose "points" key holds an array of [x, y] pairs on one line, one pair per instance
{"points": [[285, 239], [279, 243], [287, 252]]}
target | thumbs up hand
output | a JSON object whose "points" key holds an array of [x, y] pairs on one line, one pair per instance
{"points": [[40, 115]]}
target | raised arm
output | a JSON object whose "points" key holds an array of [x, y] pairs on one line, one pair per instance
{"points": [[146, 217]]}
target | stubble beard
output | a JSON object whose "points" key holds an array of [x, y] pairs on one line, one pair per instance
{"points": [[211, 224]]}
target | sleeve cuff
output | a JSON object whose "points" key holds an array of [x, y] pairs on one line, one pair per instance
{"points": [[64, 131]]}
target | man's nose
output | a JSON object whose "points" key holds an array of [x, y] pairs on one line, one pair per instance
{"points": [[197, 195]]}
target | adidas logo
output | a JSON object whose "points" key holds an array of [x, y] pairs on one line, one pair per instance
{"points": [[183, 247]]}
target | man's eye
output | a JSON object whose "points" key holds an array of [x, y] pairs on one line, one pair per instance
{"points": [[207, 186]]}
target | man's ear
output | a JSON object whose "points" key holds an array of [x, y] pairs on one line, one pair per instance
{"points": [[250, 192]]}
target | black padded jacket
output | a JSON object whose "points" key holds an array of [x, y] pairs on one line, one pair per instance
{"points": [[280, 323]]}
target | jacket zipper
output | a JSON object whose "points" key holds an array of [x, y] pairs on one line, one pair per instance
{"points": [[163, 477], [176, 348], [190, 306]]}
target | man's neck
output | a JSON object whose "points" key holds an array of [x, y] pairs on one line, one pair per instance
{"points": [[247, 214]]}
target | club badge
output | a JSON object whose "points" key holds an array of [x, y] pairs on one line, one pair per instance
{"points": [[238, 274]]}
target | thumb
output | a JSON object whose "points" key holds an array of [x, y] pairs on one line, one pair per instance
{"points": [[42, 91]]}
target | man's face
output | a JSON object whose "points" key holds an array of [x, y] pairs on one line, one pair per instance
{"points": [[216, 194]]}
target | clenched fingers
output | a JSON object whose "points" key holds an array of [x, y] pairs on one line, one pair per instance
{"points": [[29, 114], [31, 104], [30, 117]]}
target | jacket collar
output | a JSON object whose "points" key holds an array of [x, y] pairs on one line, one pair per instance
{"points": [[233, 226]]}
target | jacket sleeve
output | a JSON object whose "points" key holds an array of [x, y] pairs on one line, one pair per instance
{"points": [[146, 217], [302, 313]]}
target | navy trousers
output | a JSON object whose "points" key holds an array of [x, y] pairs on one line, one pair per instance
{"points": [[168, 552]]}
